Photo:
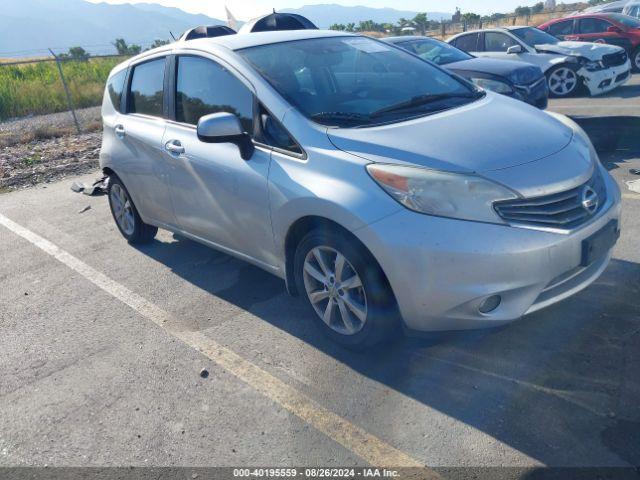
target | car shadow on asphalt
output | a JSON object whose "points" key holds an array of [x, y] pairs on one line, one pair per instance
{"points": [[617, 139], [561, 385]]}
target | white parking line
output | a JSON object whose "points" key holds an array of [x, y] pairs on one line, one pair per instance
{"points": [[367, 446]]}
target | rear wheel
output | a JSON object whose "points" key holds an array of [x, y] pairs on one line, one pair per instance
{"points": [[126, 216], [349, 296], [563, 81]]}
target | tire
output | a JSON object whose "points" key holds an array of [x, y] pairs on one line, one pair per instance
{"points": [[635, 60], [126, 215], [563, 81], [381, 321]]}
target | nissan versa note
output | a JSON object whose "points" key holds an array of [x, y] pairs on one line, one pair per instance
{"points": [[383, 189]]}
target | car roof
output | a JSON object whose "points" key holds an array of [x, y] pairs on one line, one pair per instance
{"points": [[496, 29], [404, 38], [254, 39]]}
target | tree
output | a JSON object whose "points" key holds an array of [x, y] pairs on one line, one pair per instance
{"points": [[76, 53], [421, 22], [470, 17], [158, 43], [537, 8], [124, 49], [351, 27], [523, 11], [338, 26]]}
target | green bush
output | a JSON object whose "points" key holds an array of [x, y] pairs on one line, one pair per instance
{"points": [[36, 88]]}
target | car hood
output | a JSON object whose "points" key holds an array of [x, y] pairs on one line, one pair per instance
{"points": [[489, 134], [517, 72], [591, 51]]}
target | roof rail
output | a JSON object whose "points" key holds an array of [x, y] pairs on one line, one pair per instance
{"points": [[207, 31]]}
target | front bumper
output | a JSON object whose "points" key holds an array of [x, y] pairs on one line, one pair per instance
{"points": [[442, 269], [536, 94], [605, 80]]}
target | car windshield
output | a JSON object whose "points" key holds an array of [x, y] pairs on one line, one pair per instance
{"points": [[435, 51], [353, 81], [533, 36], [626, 20]]}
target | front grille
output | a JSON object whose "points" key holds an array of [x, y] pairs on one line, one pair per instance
{"points": [[562, 210], [614, 59]]}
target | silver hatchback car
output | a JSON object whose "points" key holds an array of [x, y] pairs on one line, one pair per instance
{"points": [[385, 190]]}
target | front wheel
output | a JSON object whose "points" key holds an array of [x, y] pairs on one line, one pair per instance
{"points": [[635, 60], [344, 286], [563, 81], [126, 215]]}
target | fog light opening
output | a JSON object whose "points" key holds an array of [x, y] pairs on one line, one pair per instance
{"points": [[489, 304]]}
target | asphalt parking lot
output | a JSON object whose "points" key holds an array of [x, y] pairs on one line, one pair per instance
{"points": [[103, 346]]}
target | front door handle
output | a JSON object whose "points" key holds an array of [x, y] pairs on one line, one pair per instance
{"points": [[174, 147], [119, 131]]}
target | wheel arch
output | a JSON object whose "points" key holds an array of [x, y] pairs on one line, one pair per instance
{"points": [[306, 224]]}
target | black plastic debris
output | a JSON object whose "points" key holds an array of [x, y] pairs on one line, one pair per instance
{"points": [[204, 373], [99, 187]]}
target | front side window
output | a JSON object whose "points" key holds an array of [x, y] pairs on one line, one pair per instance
{"points": [[468, 43], [355, 81], [147, 88], [205, 87], [534, 36], [497, 42], [561, 29], [593, 25], [435, 51], [115, 87]]}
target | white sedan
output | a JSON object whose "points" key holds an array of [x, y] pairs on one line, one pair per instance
{"points": [[567, 65]]}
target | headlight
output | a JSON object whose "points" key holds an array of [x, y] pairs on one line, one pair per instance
{"points": [[493, 85], [593, 66], [466, 197]]}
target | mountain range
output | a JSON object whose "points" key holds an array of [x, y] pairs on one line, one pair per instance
{"points": [[30, 27]]}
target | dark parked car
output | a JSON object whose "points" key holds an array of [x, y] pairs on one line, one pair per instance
{"points": [[612, 28], [515, 79]]}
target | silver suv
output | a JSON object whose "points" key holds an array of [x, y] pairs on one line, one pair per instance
{"points": [[384, 190]]}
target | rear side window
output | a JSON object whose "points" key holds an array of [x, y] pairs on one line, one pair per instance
{"points": [[205, 87], [468, 43], [593, 25], [115, 87], [498, 42], [561, 29], [147, 88]]}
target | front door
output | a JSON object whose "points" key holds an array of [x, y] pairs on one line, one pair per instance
{"points": [[217, 196]]}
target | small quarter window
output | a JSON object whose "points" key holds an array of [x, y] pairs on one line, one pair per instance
{"points": [[147, 88], [272, 133], [115, 87]]}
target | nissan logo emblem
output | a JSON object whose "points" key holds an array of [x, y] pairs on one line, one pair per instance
{"points": [[589, 199]]}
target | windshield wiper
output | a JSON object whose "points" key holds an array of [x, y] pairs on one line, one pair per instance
{"points": [[340, 117], [422, 100]]}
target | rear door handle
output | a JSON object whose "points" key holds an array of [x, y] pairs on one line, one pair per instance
{"points": [[174, 147], [119, 131]]}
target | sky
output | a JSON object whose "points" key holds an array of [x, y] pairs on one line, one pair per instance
{"points": [[246, 9]]}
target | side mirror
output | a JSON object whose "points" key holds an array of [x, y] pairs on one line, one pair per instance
{"points": [[514, 49], [225, 128], [614, 29]]}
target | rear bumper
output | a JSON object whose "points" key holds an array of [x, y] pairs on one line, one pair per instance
{"points": [[606, 80], [441, 270]]}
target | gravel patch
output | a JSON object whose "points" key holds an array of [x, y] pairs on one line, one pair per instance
{"points": [[27, 164], [48, 126]]}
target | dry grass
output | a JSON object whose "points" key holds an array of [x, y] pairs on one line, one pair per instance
{"points": [[44, 133]]}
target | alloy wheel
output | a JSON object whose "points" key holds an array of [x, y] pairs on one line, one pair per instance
{"points": [[122, 209], [563, 81], [335, 290], [636, 59]]}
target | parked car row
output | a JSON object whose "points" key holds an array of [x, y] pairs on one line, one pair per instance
{"points": [[388, 192]]}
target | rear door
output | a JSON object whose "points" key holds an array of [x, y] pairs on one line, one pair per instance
{"points": [[141, 165], [217, 196]]}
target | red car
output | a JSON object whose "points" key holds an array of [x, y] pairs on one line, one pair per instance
{"points": [[611, 28]]}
